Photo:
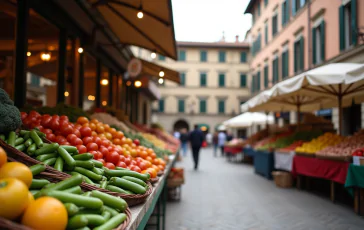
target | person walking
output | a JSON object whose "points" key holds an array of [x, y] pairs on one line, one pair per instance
{"points": [[215, 140], [221, 141], [196, 139], [184, 141]]}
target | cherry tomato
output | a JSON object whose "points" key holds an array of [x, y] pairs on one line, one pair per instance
{"points": [[54, 125], [136, 169], [47, 131], [55, 117], [136, 142], [121, 164], [85, 131], [76, 141], [46, 122], [65, 143], [92, 147], [113, 157], [127, 161], [77, 132], [97, 140], [71, 137], [27, 121], [105, 142], [78, 127], [34, 114], [133, 162], [109, 165], [82, 120], [122, 158], [60, 139], [63, 118], [51, 137], [66, 129], [104, 151], [142, 165], [102, 161], [111, 148], [87, 140], [139, 159], [81, 149], [23, 115]]}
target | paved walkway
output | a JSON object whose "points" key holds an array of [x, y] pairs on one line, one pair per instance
{"points": [[224, 195]]}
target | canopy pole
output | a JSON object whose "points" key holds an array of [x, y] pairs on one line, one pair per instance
{"points": [[110, 96], [62, 56], [81, 80], [298, 114], [98, 86], [339, 97]]}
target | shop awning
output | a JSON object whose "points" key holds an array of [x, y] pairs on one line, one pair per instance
{"points": [[203, 126], [249, 119], [153, 69], [154, 31]]}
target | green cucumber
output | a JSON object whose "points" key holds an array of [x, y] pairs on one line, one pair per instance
{"points": [[69, 149], [121, 173], [94, 219], [19, 141], [135, 180], [12, 138], [125, 184], [113, 188], [111, 201], [88, 173], [38, 183], [21, 147], [66, 157], [79, 200], [98, 171], [113, 222], [84, 164], [31, 149], [77, 221], [106, 215], [83, 157], [112, 211], [51, 148], [36, 169], [28, 142], [37, 140], [71, 208], [67, 183], [46, 156], [59, 164], [75, 190], [50, 161]]}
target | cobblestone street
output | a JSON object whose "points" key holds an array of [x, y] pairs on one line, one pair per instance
{"points": [[224, 195]]}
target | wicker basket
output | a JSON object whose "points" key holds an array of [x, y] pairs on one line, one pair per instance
{"points": [[126, 223], [154, 180], [6, 224], [282, 179], [160, 173]]}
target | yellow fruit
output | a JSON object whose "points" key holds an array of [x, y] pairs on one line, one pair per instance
{"points": [[3, 157], [45, 213], [13, 198], [17, 170]]}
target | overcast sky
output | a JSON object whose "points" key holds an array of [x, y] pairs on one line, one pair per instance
{"points": [[205, 20]]}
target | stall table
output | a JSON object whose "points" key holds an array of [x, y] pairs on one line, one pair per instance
{"points": [[249, 151], [334, 171], [141, 213], [264, 163], [355, 185], [232, 151], [284, 160]]}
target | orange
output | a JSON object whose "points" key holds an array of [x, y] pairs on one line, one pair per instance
{"points": [[155, 162], [120, 135], [13, 198], [152, 172], [3, 157], [156, 168], [143, 154], [92, 126], [30, 199], [133, 153], [161, 167], [82, 120], [95, 121], [108, 136], [94, 134], [153, 155], [106, 127], [100, 129], [116, 141], [148, 158], [17, 170], [45, 213], [113, 132]]}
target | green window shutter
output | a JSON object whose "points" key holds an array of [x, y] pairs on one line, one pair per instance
{"points": [[287, 63], [203, 79], [252, 86], [314, 46], [265, 2], [295, 56], [161, 105], [202, 106], [243, 57], [266, 33], [161, 58], [283, 13], [181, 106], [258, 9], [302, 50], [182, 55], [283, 65], [287, 11], [183, 79], [203, 56], [221, 56], [258, 81], [342, 27], [221, 106], [293, 7], [242, 80], [354, 26], [322, 29], [266, 81], [221, 80]]}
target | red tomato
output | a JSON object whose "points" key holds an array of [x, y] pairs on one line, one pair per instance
{"points": [[139, 159], [51, 137], [65, 143], [142, 165], [104, 151], [71, 137], [46, 122], [102, 161], [87, 140], [136, 169], [76, 141], [27, 121], [105, 142], [63, 122], [78, 127], [127, 161], [97, 140], [92, 147], [97, 155], [54, 125], [111, 148], [66, 129], [133, 162], [81, 149], [121, 164], [23, 115], [47, 131], [136, 142], [122, 158], [55, 117], [34, 114], [109, 165], [60, 139], [85, 131], [113, 157], [77, 132], [63, 118]]}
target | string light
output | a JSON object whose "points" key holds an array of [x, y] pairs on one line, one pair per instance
{"points": [[45, 56], [29, 54], [104, 103], [66, 94], [153, 55], [128, 83], [91, 98], [160, 81], [140, 14], [161, 73], [80, 50], [104, 82], [137, 84]]}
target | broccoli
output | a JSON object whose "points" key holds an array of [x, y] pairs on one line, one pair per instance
{"points": [[10, 118]]}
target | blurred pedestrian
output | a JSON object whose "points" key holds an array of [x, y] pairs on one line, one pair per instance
{"points": [[209, 139], [229, 136], [221, 141], [196, 139], [215, 140], [184, 141], [176, 134]]}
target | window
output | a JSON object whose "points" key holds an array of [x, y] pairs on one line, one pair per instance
{"points": [[274, 24], [182, 55], [258, 9], [285, 64], [203, 106], [161, 58], [243, 57], [182, 77], [266, 77], [221, 56], [252, 86], [258, 82], [275, 70], [161, 106], [265, 2], [243, 80], [266, 32], [221, 106], [221, 80], [256, 45], [203, 56], [296, 5], [34, 80], [181, 105], [348, 24], [318, 43], [299, 55], [203, 79], [285, 13]]}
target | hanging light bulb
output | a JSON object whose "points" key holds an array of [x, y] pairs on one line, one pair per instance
{"points": [[104, 103], [29, 54], [161, 73], [66, 94], [128, 83], [160, 81], [45, 56], [104, 82], [137, 84], [153, 55], [80, 50], [140, 14]]}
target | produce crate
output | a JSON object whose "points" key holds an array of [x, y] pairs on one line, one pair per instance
{"points": [[282, 179], [175, 178], [264, 163]]}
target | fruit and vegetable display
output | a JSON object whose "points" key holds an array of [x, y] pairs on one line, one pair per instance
{"points": [[319, 143], [265, 143], [37, 203], [346, 147], [110, 120], [292, 146], [106, 144], [257, 137]]}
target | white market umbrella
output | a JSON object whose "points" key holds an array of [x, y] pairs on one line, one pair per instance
{"points": [[248, 119]]}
